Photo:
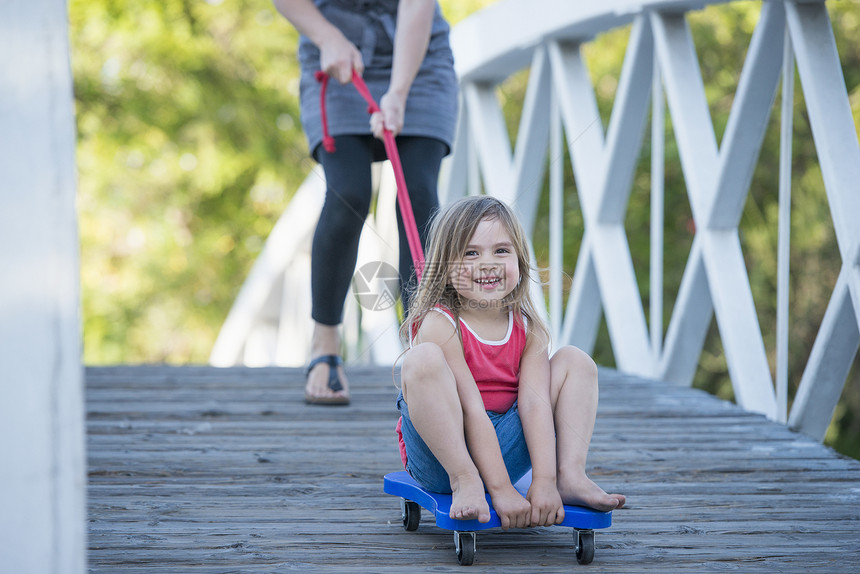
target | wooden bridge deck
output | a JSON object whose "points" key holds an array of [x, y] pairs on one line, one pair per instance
{"points": [[198, 469]]}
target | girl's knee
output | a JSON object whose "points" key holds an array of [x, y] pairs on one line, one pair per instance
{"points": [[424, 368], [424, 361], [576, 361]]}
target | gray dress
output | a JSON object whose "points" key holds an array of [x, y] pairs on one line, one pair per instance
{"points": [[431, 106]]}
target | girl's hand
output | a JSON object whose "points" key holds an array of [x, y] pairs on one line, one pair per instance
{"points": [[546, 505], [339, 57], [393, 108], [512, 509]]}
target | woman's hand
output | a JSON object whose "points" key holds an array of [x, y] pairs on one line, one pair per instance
{"points": [[390, 117], [339, 57], [546, 505]]}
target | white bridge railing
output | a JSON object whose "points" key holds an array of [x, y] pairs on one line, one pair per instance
{"points": [[270, 320]]}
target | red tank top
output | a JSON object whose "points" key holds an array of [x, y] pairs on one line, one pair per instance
{"points": [[495, 365]]}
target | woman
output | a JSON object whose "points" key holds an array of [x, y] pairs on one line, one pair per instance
{"points": [[401, 50]]}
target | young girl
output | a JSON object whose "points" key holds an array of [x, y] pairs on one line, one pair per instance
{"points": [[481, 401]]}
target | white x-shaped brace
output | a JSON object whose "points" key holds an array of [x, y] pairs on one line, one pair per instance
{"points": [[718, 183], [517, 179], [715, 280], [838, 337], [716, 263]]}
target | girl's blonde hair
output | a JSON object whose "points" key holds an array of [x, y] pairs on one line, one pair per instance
{"points": [[450, 233]]}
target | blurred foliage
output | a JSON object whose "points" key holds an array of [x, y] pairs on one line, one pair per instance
{"points": [[190, 147]]}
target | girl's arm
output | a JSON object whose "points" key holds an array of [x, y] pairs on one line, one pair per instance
{"points": [[536, 414], [513, 510], [411, 38], [338, 56]]}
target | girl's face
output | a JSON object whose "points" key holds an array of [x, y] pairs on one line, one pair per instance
{"points": [[488, 270]]}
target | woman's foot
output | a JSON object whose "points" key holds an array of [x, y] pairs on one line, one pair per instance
{"points": [[326, 381], [334, 392], [582, 491]]}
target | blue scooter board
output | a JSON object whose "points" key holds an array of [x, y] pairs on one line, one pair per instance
{"points": [[412, 497]]}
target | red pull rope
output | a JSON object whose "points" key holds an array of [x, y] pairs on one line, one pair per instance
{"points": [[403, 200]]}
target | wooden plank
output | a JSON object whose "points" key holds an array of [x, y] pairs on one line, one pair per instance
{"points": [[198, 469]]}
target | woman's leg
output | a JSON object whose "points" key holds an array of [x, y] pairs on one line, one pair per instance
{"points": [[573, 391], [335, 249], [430, 392], [421, 158]]}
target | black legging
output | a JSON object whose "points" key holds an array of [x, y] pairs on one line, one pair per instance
{"points": [[347, 202]]}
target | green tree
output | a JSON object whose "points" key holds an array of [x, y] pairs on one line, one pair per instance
{"points": [[189, 148]]}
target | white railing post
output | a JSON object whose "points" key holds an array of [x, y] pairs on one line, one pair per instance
{"points": [[556, 221], [658, 123], [783, 248], [42, 436]]}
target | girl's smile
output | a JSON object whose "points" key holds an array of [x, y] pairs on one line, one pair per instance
{"points": [[489, 269], [488, 282]]}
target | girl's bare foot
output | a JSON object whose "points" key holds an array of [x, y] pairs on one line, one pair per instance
{"points": [[468, 501], [582, 491]]}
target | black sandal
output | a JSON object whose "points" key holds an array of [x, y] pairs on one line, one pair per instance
{"points": [[333, 361]]}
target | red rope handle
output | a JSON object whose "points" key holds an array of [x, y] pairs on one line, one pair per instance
{"points": [[403, 200], [328, 141]]}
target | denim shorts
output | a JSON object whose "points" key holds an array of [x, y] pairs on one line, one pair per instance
{"points": [[429, 473]]}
